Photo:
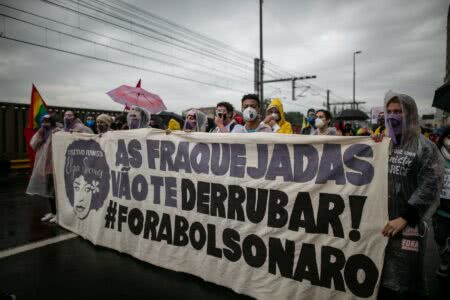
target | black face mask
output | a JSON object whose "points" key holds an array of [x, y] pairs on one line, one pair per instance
{"points": [[189, 126], [101, 128]]}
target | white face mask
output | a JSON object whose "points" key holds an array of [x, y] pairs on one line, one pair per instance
{"points": [[319, 123], [275, 116], [249, 114]]}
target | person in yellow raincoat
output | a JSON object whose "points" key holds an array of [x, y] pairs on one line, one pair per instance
{"points": [[173, 125], [275, 118]]}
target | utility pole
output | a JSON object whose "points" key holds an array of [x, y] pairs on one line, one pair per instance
{"points": [[256, 85], [293, 89], [261, 58], [293, 80], [354, 75], [328, 100]]}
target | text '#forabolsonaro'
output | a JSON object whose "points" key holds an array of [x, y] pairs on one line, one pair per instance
{"points": [[175, 183], [333, 266]]}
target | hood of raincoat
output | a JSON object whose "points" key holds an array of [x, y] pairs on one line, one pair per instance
{"points": [[174, 125], [145, 117], [201, 120], [414, 182], [410, 122], [285, 126]]}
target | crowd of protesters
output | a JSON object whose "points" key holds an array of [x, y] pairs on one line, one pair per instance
{"points": [[412, 193]]}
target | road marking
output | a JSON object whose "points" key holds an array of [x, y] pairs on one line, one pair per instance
{"points": [[38, 244]]}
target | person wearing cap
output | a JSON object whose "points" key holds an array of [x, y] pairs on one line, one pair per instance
{"points": [[275, 118], [103, 122], [41, 180]]}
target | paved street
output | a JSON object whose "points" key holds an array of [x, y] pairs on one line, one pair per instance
{"points": [[76, 269]]}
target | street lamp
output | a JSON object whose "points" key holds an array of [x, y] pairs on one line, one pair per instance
{"points": [[354, 54]]}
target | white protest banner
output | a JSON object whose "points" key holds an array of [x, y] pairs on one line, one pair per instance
{"points": [[268, 215]]}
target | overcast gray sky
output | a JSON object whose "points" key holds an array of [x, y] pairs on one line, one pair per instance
{"points": [[403, 44]]}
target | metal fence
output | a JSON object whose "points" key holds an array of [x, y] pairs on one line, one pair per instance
{"points": [[14, 118]]}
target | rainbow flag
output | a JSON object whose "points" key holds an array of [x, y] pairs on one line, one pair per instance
{"points": [[38, 109]]}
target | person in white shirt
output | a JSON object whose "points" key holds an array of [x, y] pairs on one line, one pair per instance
{"points": [[250, 112]]}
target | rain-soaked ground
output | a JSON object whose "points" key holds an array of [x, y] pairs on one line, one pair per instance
{"points": [[76, 269]]}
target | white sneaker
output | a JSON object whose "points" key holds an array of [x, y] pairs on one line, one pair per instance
{"points": [[47, 217], [53, 220]]}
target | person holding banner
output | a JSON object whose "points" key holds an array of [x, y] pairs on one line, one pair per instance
{"points": [[196, 121], [224, 118], [73, 124], [138, 118], [414, 181], [41, 180], [322, 123], [103, 123], [250, 112], [275, 118]]}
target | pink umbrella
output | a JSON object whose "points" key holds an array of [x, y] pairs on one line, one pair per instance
{"points": [[137, 96]]}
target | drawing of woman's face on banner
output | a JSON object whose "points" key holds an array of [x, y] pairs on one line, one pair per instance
{"points": [[86, 176]]}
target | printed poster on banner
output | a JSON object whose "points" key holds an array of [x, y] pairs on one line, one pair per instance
{"points": [[267, 215]]}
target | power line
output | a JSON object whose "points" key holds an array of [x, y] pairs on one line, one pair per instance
{"points": [[127, 43], [120, 16], [195, 51], [123, 65], [179, 29], [182, 28], [113, 48]]}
